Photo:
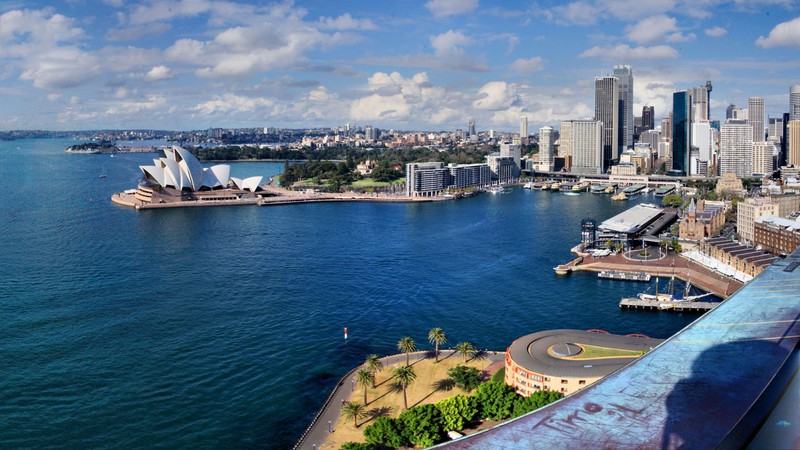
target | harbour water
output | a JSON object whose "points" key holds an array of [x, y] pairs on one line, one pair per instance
{"points": [[222, 327]]}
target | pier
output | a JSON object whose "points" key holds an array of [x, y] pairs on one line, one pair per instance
{"points": [[624, 276], [637, 303]]}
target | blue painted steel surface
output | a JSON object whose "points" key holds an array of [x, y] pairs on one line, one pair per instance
{"points": [[696, 390]]}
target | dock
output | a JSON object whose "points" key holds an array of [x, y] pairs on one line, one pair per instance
{"points": [[637, 303], [624, 276]]}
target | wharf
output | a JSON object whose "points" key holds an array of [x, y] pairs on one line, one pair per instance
{"points": [[637, 303], [624, 276]]}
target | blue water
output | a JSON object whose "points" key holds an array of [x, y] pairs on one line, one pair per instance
{"points": [[222, 327]]}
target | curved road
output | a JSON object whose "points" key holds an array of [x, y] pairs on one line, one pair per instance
{"points": [[332, 409]]}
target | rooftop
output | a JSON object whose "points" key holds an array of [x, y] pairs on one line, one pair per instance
{"points": [[633, 219]]}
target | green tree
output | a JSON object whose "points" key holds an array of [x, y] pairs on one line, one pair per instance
{"points": [[404, 376], [385, 432], [357, 446], [374, 365], [673, 200], [466, 349], [406, 345], [499, 376], [364, 378], [437, 337], [524, 405], [353, 410], [495, 400], [457, 411], [467, 378], [422, 425]]}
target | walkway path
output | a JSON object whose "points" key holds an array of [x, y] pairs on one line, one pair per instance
{"points": [[331, 411]]}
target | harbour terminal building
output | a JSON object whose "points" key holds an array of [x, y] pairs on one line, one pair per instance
{"points": [[567, 361], [635, 223]]}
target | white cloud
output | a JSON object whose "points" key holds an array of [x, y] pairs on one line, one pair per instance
{"points": [[496, 95], [449, 43], [159, 73], [232, 103], [716, 31], [133, 33], [786, 34], [625, 52], [651, 29], [528, 66], [444, 8], [636, 9], [346, 22], [575, 13]]}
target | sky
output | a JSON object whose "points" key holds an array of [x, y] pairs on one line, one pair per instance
{"points": [[405, 65]]}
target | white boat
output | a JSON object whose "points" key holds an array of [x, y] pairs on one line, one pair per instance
{"points": [[528, 185], [497, 190], [671, 297]]}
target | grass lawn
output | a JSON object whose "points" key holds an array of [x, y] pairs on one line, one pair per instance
{"points": [[386, 399], [592, 352], [369, 182]]}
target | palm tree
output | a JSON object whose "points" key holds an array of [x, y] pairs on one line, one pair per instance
{"points": [[404, 376], [466, 349], [406, 345], [364, 378], [374, 365], [353, 410], [436, 336]]}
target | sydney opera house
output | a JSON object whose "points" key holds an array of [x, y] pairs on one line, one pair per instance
{"points": [[178, 179]]}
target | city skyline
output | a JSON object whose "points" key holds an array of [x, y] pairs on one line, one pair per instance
{"points": [[425, 65]]}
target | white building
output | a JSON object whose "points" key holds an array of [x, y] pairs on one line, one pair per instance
{"points": [[513, 151], [426, 179], [755, 114], [565, 139], [762, 157], [703, 141], [736, 148], [523, 130], [587, 146], [545, 161]]}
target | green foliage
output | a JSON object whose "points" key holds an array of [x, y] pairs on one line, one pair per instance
{"points": [[374, 365], [404, 376], [673, 200], [406, 345], [353, 410], [365, 378], [358, 446], [523, 405], [466, 349], [382, 172], [385, 432], [422, 425], [675, 245], [467, 378], [457, 411], [495, 400], [499, 376], [437, 337]]}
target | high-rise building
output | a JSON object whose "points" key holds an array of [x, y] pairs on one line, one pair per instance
{"points": [[793, 158], [736, 148], [565, 139], [587, 146], [546, 140], [624, 75], [783, 155], [794, 102], [729, 111], [775, 129], [471, 128], [648, 118], [606, 110], [762, 157], [700, 103], [512, 150], [681, 132], [755, 114], [523, 130], [702, 141], [666, 128]]}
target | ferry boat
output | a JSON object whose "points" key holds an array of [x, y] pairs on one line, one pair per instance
{"points": [[555, 186], [497, 190], [635, 189], [620, 196], [598, 188], [566, 187], [611, 188], [664, 190], [580, 187]]}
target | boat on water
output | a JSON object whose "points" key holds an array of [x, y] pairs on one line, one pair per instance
{"points": [[598, 188], [497, 190], [635, 189], [528, 185], [620, 196], [665, 190], [555, 186], [671, 297]]}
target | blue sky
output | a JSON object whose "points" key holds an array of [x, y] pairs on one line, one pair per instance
{"points": [[424, 65]]}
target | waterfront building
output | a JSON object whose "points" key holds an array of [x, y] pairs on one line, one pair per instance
{"points": [[750, 210], [587, 146], [502, 167], [793, 157], [741, 258], [681, 132], [627, 227], [546, 360], [794, 102], [545, 161], [426, 179], [606, 111], [523, 130], [512, 151], [625, 169], [701, 220], [624, 75], [469, 175], [648, 117], [762, 158], [736, 148], [755, 114], [777, 235], [179, 169]]}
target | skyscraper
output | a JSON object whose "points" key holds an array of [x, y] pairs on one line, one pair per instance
{"points": [[794, 102], [736, 148], [471, 128], [762, 157], [606, 110], [624, 75], [587, 146], [523, 130], [783, 156], [681, 132], [755, 114], [546, 140], [729, 111], [794, 143], [648, 118], [700, 103]]}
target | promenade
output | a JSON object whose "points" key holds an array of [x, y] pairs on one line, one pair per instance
{"points": [[665, 266], [317, 435]]}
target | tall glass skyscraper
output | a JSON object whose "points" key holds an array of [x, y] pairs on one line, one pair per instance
{"points": [[624, 75], [606, 110], [681, 132]]}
